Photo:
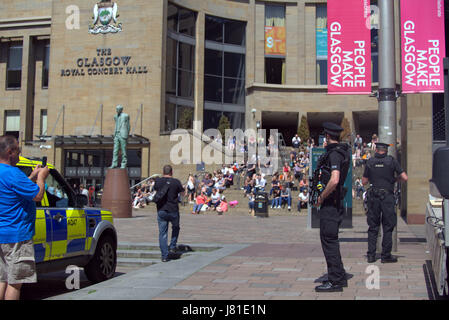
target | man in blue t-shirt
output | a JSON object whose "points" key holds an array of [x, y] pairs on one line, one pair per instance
{"points": [[17, 216]]}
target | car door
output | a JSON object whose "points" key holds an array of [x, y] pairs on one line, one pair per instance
{"points": [[42, 237], [68, 225]]}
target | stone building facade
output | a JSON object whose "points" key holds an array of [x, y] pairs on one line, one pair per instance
{"points": [[164, 67]]}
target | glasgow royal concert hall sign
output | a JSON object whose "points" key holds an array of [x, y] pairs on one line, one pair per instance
{"points": [[103, 64]]}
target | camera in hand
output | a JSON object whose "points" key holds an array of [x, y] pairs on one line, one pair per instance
{"points": [[44, 162]]}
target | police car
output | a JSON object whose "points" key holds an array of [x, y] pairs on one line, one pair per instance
{"points": [[66, 233]]}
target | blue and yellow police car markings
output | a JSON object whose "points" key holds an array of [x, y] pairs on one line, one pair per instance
{"points": [[98, 215], [42, 237], [44, 201], [107, 215], [59, 228], [92, 214], [76, 230], [88, 243]]}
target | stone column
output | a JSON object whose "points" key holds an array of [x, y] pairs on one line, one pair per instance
{"points": [[310, 44], [198, 114], [259, 51], [292, 38]]}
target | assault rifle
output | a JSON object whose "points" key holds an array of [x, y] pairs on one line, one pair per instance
{"points": [[316, 187]]}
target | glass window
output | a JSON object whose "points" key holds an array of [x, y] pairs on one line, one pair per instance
{"points": [[234, 65], [213, 88], [14, 67], [274, 15], [46, 66], [12, 123], [275, 70], [235, 32], [15, 58], [321, 44], [211, 119], [134, 157], [180, 68], [185, 84], [56, 193], [224, 80], [213, 62], [187, 21], [178, 117], [172, 17], [439, 123], [234, 91], [43, 122], [171, 81], [171, 53], [275, 38], [185, 117], [237, 119], [170, 116], [186, 57], [214, 29], [321, 71]]}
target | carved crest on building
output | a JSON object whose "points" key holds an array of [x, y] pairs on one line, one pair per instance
{"points": [[105, 18]]}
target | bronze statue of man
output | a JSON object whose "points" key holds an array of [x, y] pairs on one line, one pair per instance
{"points": [[121, 134]]}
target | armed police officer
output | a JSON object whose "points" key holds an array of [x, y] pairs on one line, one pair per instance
{"points": [[382, 171], [333, 167]]}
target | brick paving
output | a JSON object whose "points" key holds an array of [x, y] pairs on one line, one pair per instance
{"points": [[283, 258]]}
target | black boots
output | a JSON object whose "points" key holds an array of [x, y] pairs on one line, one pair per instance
{"points": [[389, 259], [330, 287]]}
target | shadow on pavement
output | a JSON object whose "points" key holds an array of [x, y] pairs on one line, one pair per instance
{"points": [[52, 284]]}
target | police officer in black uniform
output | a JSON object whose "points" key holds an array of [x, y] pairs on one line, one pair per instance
{"points": [[382, 171], [334, 166]]}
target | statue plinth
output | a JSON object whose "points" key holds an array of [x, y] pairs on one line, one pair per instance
{"points": [[116, 194]]}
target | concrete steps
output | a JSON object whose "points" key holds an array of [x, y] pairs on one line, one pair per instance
{"points": [[141, 255], [134, 262]]}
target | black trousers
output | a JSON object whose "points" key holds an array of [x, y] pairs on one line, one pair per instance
{"points": [[330, 220], [381, 211]]}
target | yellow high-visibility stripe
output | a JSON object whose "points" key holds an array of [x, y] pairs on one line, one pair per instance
{"points": [[58, 249], [88, 243], [24, 162], [76, 224], [44, 201], [40, 228], [106, 215]]}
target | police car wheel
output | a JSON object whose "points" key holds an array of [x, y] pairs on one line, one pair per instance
{"points": [[103, 264]]}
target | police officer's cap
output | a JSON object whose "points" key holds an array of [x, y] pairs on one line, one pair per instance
{"points": [[381, 145], [332, 128]]}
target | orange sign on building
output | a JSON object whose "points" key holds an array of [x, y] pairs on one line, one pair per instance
{"points": [[275, 41]]}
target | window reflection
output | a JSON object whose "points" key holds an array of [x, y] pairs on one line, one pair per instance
{"points": [[180, 68], [224, 68]]}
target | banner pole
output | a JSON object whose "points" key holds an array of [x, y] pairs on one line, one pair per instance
{"points": [[387, 86]]}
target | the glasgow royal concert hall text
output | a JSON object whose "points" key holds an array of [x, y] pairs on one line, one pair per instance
{"points": [[104, 63]]}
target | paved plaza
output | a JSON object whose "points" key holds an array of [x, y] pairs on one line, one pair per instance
{"points": [[254, 258]]}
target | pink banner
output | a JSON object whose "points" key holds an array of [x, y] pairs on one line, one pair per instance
{"points": [[423, 45], [349, 47]]}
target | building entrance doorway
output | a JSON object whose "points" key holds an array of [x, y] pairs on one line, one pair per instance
{"points": [[315, 121], [366, 124], [285, 122]]}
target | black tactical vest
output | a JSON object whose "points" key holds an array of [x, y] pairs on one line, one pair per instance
{"points": [[324, 165], [381, 172]]}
